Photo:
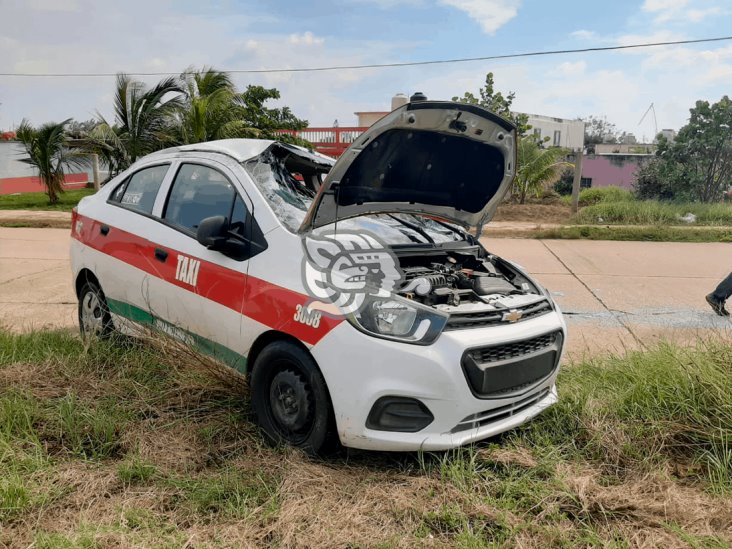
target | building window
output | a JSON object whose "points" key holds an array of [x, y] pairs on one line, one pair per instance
{"points": [[557, 137], [585, 183]]}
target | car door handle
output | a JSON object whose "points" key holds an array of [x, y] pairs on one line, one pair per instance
{"points": [[161, 255], [104, 229]]}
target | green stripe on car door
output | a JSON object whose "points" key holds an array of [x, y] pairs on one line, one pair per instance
{"points": [[206, 346]]}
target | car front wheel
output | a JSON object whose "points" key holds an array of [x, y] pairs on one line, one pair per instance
{"points": [[290, 398], [94, 317]]}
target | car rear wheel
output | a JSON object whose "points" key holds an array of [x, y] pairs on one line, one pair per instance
{"points": [[290, 398], [94, 317]]}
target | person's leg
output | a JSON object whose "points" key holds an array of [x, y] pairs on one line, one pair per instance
{"points": [[724, 289], [717, 298]]}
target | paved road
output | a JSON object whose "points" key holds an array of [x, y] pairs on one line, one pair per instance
{"points": [[616, 295]]}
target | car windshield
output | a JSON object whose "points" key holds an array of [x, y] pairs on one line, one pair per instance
{"points": [[288, 196], [289, 181]]}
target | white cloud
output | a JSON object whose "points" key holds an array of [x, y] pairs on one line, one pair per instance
{"points": [[306, 39], [389, 4], [490, 14], [663, 5], [678, 10], [583, 34], [572, 69]]}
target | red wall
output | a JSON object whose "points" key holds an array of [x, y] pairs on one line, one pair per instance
{"points": [[11, 185]]}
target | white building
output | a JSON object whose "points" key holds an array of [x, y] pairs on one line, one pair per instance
{"points": [[561, 132]]}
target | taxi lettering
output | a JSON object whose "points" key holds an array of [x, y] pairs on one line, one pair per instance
{"points": [[187, 270]]}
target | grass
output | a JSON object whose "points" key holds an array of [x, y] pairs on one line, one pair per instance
{"points": [[123, 444], [651, 212], [39, 201], [657, 233]]}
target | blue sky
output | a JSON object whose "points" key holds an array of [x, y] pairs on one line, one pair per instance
{"points": [[170, 35]]}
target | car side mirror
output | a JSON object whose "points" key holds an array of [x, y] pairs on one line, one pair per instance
{"points": [[212, 232]]}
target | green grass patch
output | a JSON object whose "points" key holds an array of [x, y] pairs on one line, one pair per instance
{"points": [[644, 410], [652, 212], [167, 453], [656, 233], [39, 201]]}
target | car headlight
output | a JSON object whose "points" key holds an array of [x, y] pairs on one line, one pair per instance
{"points": [[399, 319]]}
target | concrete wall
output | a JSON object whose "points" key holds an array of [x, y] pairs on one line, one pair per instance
{"points": [[571, 132], [17, 177], [612, 170]]}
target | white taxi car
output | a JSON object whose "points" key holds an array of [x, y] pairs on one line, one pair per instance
{"points": [[205, 242]]}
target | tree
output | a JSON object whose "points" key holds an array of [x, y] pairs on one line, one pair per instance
{"points": [[497, 103], [701, 154], [48, 154], [536, 167], [565, 183], [198, 106], [209, 108], [599, 130], [143, 122], [212, 108], [697, 165]]}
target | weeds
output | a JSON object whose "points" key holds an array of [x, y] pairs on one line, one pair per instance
{"points": [[651, 212], [124, 444], [657, 233]]}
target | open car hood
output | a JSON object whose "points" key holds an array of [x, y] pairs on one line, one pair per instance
{"points": [[439, 158]]}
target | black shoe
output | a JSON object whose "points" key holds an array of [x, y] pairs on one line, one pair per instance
{"points": [[717, 305]]}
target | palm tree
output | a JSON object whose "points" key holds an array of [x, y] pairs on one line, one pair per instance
{"points": [[536, 166], [48, 153], [143, 122], [210, 108]]}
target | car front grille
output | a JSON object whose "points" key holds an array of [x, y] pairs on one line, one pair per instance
{"points": [[499, 371], [464, 321], [481, 419], [513, 350]]}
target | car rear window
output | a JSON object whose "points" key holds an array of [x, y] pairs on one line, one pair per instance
{"points": [[139, 191]]}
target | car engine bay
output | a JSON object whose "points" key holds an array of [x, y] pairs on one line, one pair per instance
{"points": [[468, 280]]}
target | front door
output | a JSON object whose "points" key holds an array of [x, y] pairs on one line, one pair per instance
{"points": [[200, 296]]}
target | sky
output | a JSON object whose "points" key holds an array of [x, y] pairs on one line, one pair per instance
{"points": [[101, 36]]}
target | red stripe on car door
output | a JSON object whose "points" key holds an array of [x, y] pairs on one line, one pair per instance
{"points": [[267, 303]]}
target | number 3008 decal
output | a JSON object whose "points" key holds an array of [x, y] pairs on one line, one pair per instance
{"points": [[306, 316]]}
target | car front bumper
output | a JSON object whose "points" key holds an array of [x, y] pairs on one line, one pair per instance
{"points": [[360, 369]]}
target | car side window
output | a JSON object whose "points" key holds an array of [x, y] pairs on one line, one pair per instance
{"points": [[199, 192], [139, 191]]}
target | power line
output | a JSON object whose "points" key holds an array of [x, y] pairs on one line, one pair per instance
{"points": [[383, 65]]}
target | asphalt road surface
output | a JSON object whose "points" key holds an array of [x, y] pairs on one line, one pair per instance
{"points": [[615, 295]]}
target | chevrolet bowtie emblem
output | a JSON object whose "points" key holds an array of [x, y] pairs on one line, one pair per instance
{"points": [[512, 316]]}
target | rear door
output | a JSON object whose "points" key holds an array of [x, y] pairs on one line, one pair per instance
{"points": [[120, 232]]}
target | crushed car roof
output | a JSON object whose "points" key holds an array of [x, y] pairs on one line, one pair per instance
{"points": [[238, 149]]}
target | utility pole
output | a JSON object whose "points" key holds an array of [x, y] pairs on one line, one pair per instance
{"points": [[95, 170], [577, 180]]}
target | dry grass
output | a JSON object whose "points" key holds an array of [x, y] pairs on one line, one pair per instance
{"points": [[189, 470]]}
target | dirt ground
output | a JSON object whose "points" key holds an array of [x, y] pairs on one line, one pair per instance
{"points": [[540, 214]]}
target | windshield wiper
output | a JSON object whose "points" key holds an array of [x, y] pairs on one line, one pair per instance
{"points": [[415, 228]]}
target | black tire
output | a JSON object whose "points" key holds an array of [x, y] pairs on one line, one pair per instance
{"points": [[93, 312], [290, 399]]}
